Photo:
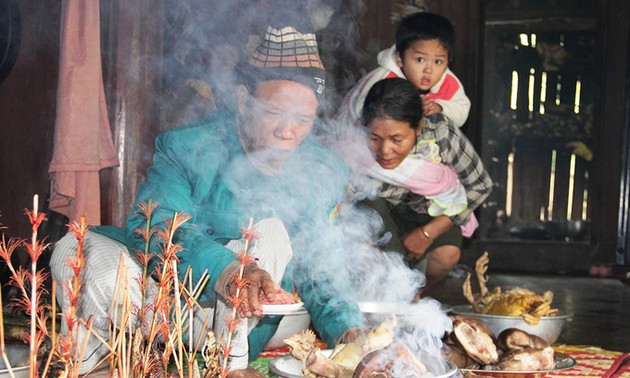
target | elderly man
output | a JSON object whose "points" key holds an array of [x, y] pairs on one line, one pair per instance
{"points": [[255, 161]]}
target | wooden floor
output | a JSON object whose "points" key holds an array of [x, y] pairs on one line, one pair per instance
{"points": [[601, 306]]}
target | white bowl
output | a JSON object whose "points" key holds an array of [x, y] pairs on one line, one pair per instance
{"points": [[290, 324], [549, 327]]}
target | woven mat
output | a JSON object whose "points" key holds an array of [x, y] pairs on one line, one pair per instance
{"points": [[591, 361]]}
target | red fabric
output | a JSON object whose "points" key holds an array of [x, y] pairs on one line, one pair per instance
{"points": [[83, 140], [447, 90]]}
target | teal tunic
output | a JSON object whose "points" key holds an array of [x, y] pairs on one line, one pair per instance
{"points": [[203, 171]]}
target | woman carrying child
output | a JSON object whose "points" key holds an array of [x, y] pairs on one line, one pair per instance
{"points": [[420, 218]]}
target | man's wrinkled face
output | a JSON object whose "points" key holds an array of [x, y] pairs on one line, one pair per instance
{"points": [[275, 120]]}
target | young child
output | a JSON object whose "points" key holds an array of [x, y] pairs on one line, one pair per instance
{"points": [[425, 45]]}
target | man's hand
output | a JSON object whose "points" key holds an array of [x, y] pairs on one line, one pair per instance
{"points": [[257, 280], [349, 335]]}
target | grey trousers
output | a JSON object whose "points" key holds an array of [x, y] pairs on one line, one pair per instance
{"points": [[102, 278]]}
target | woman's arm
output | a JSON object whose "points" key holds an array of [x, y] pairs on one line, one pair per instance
{"points": [[420, 239]]}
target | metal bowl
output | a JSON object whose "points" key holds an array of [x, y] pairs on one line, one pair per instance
{"points": [[563, 362], [549, 327], [17, 354], [528, 232], [375, 313]]}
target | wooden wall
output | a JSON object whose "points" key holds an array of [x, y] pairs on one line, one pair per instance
{"points": [[132, 49], [613, 115]]}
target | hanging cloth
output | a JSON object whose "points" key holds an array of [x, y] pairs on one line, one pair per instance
{"points": [[83, 140]]}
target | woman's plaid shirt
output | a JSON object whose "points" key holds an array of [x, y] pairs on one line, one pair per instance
{"points": [[456, 151]]}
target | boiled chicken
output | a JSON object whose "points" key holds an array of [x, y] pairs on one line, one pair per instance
{"points": [[345, 357], [517, 301]]}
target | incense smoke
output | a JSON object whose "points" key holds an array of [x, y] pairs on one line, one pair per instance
{"points": [[203, 47]]}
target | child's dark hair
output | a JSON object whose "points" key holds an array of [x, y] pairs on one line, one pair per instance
{"points": [[395, 98], [423, 26]]}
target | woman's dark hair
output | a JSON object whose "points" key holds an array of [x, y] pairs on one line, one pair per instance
{"points": [[396, 99], [424, 26]]}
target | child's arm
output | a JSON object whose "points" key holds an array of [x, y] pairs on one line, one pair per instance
{"points": [[430, 106], [449, 95]]}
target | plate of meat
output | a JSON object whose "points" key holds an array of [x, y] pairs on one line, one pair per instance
{"points": [[513, 353], [562, 362], [284, 303]]}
